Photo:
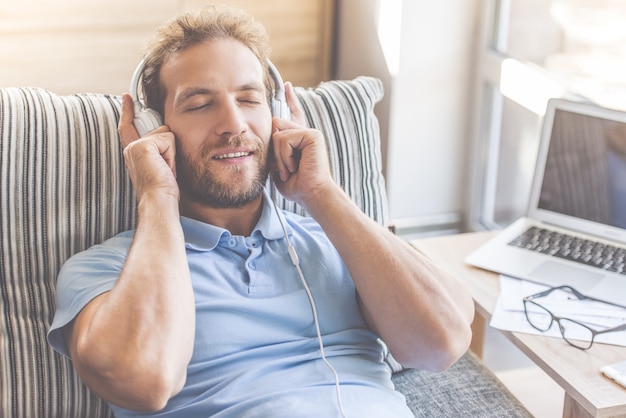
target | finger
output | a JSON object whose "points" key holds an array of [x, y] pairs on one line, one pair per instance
{"points": [[279, 166], [168, 149], [279, 124], [155, 147], [286, 145], [297, 112], [125, 127]]}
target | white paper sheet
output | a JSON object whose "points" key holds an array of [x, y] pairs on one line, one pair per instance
{"points": [[509, 313]]}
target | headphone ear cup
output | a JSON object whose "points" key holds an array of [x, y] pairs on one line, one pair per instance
{"points": [[280, 109], [279, 105], [146, 120]]}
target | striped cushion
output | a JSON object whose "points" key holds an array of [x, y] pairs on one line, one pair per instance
{"points": [[63, 188]]}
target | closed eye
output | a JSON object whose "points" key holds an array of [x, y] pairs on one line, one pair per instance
{"points": [[252, 102], [198, 107], [251, 96]]}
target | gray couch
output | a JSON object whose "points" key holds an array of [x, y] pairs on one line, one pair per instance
{"points": [[63, 188]]}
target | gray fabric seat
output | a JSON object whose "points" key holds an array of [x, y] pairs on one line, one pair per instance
{"points": [[63, 188], [466, 389]]}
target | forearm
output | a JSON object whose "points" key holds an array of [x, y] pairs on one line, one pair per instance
{"points": [[139, 336], [421, 312]]}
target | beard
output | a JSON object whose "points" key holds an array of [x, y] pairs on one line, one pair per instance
{"points": [[232, 187]]}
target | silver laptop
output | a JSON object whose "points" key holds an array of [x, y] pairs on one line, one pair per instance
{"points": [[574, 231]]}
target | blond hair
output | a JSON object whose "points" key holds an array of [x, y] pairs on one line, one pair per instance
{"points": [[192, 28]]}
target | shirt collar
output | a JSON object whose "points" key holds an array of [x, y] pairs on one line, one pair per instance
{"points": [[205, 237]]}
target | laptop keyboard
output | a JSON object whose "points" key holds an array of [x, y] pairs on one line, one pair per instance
{"points": [[577, 249]]}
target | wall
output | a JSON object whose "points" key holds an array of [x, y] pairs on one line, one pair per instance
{"points": [[426, 115], [358, 52], [72, 46]]}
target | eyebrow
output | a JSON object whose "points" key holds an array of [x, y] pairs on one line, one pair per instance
{"points": [[190, 92]]}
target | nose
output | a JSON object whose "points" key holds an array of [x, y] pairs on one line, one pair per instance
{"points": [[231, 119]]}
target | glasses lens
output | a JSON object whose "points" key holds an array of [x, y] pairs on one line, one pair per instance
{"points": [[537, 316], [576, 334]]}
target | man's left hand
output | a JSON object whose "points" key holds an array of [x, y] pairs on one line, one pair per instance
{"points": [[301, 169]]}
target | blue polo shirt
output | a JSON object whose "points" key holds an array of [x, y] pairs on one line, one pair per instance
{"points": [[256, 352]]}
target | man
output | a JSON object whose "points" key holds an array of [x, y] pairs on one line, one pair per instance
{"points": [[200, 311]]}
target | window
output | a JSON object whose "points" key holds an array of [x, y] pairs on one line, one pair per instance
{"points": [[532, 50]]}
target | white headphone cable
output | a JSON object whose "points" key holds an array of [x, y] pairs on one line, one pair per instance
{"points": [[296, 262]]}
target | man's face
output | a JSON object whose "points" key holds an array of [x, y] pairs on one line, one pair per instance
{"points": [[216, 105]]}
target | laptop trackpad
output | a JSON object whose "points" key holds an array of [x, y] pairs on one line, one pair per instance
{"points": [[557, 274]]}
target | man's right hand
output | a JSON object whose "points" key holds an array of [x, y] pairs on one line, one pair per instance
{"points": [[151, 159]]}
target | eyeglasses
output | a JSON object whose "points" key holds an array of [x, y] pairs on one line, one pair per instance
{"points": [[574, 333]]}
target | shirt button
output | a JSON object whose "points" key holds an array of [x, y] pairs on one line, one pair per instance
{"points": [[252, 242], [252, 265], [232, 242]]}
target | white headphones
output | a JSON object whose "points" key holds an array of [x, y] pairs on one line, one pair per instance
{"points": [[147, 119]]}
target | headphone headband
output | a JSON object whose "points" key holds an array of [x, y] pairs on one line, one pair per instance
{"points": [[147, 119]]}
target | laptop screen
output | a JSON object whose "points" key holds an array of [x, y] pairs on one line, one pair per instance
{"points": [[585, 170]]}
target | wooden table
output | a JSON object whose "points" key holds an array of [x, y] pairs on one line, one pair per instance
{"points": [[587, 392]]}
